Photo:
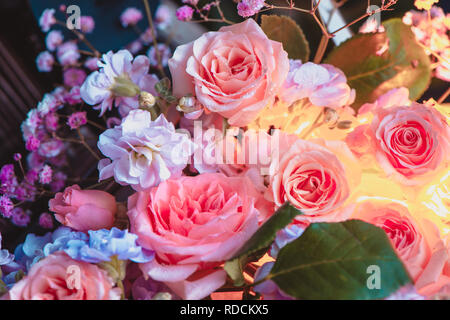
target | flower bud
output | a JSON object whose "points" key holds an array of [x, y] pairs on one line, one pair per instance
{"points": [[146, 100], [190, 107]]}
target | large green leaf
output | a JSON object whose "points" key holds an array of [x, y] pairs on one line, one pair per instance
{"points": [[285, 30], [331, 261], [258, 244], [373, 72]]}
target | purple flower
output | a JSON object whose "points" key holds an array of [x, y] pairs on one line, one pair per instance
{"points": [[324, 85], [47, 19], [131, 16], [51, 148], [45, 61], [87, 24], [7, 173], [45, 176], [51, 121], [74, 77], [32, 143], [54, 39], [6, 206], [119, 79], [285, 236], [184, 13], [163, 17], [17, 156], [20, 217], [45, 220], [143, 152], [5, 256], [92, 63], [148, 289], [67, 53], [164, 52], [77, 120], [59, 182], [248, 8]]}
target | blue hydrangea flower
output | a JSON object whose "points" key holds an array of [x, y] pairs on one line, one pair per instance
{"points": [[31, 250], [103, 244], [5, 256]]}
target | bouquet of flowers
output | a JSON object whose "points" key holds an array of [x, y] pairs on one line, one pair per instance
{"points": [[237, 166]]}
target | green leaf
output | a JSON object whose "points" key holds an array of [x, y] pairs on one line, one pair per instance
{"points": [[405, 63], [261, 240], [331, 261], [285, 30]]}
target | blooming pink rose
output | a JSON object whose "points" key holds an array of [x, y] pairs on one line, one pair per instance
{"points": [[194, 224], [411, 144], [48, 280], [315, 178], [235, 72], [417, 243], [84, 210]]}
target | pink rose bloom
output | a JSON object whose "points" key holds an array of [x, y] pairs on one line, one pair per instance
{"points": [[119, 80], [54, 39], [235, 72], [84, 210], [87, 24], [411, 144], [323, 84], [48, 280], [315, 178], [68, 54], [417, 243], [194, 224], [74, 77], [45, 61], [47, 19], [143, 152], [131, 16]]}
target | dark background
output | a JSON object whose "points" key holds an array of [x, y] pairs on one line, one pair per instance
{"points": [[21, 40]]}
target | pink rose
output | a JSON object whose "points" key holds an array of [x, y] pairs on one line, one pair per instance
{"points": [[417, 243], [235, 72], [49, 279], [84, 210], [411, 144], [194, 224], [315, 178]]}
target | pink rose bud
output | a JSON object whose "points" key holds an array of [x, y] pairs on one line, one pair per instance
{"points": [[84, 210]]}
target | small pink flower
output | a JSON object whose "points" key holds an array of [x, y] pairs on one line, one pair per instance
{"points": [[163, 16], [92, 63], [324, 85], [68, 54], [248, 8], [87, 24], [54, 39], [235, 71], [184, 13], [20, 217], [45, 176], [6, 206], [77, 119], [45, 220], [74, 77], [45, 61], [32, 143], [164, 52], [47, 19], [131, 16], [48, 280], [194, 224], [84, 210]]}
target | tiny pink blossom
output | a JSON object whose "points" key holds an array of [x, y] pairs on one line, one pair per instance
{"points": [[92, 63], [68, 53], [6, 206], [74, 77], [45, 61], [51, 121], [20, 217], [87, 24], [131, 16], [184, 13], [191, 2], [32, 143], [17, 156], [77, 120], [248, 8], [73, 96], [45, 220], [163, 16], [54, 39], [164, 52], [47, 19], [45, 176]]}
